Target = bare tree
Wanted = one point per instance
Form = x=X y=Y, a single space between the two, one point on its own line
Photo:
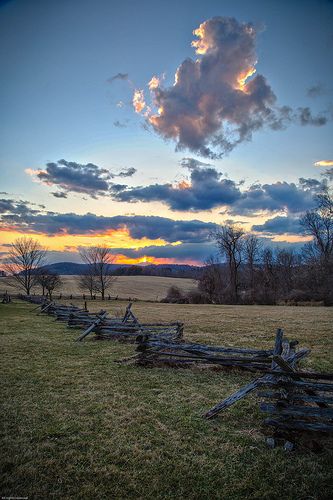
x=229 y=240
x=211 y=281
x=319 y=224
x=252 y=248
x=99 y=260
x=319 y=253
x=87 y=281
x=286 y=266
x=26 y=255
x=53 y=282
x=42 y=276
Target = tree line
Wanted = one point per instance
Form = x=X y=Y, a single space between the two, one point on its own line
x=254 y=273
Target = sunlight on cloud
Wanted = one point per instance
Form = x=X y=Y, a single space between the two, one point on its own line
x=139 y=101
x=324 y=163
x=119 y=238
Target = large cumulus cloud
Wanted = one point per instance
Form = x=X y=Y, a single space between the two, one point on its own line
x=217 y=101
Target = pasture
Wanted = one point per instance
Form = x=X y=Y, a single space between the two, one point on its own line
x=77 y=425
x=137 y=287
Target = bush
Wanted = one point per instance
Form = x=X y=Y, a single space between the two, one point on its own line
x=175 y=296
x=196 y=297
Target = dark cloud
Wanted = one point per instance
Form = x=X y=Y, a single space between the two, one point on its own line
x=280 y=225
x=316 y=90
x=119 y=124
x=192 y=163
x=207 y=189
x=118 y=76
x=59 y=194
x=127 y=172
x=72 y=177
x=277 y=197
x=20 y=217
x=187 y=251
x=305 y=117
x=216 y=101
x=19 y=208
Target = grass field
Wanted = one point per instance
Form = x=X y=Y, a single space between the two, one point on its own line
x=75 y=424
x=135 y=287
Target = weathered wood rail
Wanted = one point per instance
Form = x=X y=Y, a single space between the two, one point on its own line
x=295 y=401
x=152 y=352
x=128 y=328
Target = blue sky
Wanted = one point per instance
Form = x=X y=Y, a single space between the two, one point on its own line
x=57 y=102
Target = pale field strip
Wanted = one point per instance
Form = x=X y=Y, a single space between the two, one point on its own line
x=134 y=287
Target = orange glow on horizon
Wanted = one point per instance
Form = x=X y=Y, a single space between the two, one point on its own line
x=121 y=239
x=113 y=238
x=147 y=259
x=291 y=238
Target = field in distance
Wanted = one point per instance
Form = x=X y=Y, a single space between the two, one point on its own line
x=134 y=287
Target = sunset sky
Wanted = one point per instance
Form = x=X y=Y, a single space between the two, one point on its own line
x=143 y=125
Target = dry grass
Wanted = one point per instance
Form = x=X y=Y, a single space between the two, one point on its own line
x=77 y=425
x=135 y=287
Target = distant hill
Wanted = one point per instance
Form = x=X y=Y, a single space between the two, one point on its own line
x=165 y=270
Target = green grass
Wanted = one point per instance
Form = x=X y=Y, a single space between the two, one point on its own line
x=75 y=424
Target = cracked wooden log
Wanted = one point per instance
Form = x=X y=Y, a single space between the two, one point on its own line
x=91 y=327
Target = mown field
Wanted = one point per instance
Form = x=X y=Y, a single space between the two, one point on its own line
x=134 y=287
x=74 y=424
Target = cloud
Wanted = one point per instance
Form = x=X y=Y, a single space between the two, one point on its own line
x=218 y=100
x=280 y=225
x=128 y=172
x=19 y=216
x=118 y=76
x=305 y=117
x=324 y=163
x=20 y=208
x=186 y=252
x=139 y=103
x=72 y=177
x=59 y=194
x=278 y=196
x=193 y=237
x=329 y=174
x=316 y=90
x=119 y=124
x=192 y=163
x=207 y=189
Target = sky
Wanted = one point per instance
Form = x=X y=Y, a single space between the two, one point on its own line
x=143 y=126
